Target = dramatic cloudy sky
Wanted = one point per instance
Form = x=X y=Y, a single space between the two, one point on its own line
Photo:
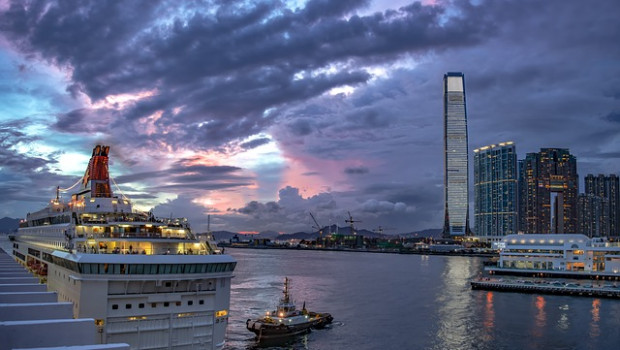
x=258 y=112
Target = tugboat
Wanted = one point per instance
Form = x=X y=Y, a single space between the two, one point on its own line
x=286 y=321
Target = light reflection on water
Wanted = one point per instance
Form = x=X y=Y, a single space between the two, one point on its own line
x=489 y=317
x=454 y=304
x=540 y=318
x=596 y=316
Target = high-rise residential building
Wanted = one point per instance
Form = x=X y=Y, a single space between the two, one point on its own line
x=548 y=189
x=592 y=215
x=608 y=189
x=495 y=191
x=456 y=179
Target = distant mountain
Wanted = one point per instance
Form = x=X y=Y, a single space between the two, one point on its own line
x=431 y=232
x=8 y=225
x=267 y=234
x=272 y=235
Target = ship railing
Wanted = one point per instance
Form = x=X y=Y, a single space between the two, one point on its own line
x=139 y=235
x=139 y=251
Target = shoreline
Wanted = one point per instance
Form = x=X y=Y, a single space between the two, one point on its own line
x=366 y=250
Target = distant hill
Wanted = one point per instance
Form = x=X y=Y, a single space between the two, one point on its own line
x=8 y=225
x=227 y=235
x=431 y=232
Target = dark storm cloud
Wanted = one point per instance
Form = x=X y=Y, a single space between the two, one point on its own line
x=84 y=120
x=255 y=143
x=368 y=118
x=301 y=127
x=257 y=210
x=181 y=178
x=613 y=117
x=356 y=170
x=21 y=173
x=204 y=172
x=11 y=134
x=184 y=186
x=221 y=69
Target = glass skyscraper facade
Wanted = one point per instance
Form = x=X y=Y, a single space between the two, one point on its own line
x=495 y=191
x=456 y=179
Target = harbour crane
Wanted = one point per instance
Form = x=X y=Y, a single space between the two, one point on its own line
x=350 y=221
x=318 y=227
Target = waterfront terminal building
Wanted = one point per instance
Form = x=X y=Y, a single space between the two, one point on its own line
x=563 y=255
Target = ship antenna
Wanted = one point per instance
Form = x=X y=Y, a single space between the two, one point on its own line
x=286 y=296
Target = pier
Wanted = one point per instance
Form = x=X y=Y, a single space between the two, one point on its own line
x=544 y=287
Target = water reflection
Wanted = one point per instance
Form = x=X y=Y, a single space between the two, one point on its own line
x=424 y=260
x=540 y=319
x=596 y=317
x=453 y=304
x=489 y=318
x=563 y=322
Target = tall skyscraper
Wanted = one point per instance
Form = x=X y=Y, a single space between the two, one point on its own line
x=456 y=179
x=548 y=186
x=607 y=188
x=495 y=191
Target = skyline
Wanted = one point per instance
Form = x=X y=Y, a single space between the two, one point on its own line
x=259 y=114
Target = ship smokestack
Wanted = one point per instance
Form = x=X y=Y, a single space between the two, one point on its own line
x=97 y=177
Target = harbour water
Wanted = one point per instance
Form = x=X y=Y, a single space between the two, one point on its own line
x=391 y=301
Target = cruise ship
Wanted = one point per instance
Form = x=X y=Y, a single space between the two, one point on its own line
x=145 y=281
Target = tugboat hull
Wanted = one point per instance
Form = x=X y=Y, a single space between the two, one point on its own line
x=267 y=329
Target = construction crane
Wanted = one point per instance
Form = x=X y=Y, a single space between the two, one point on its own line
x=318 y=227
x=350 y=221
